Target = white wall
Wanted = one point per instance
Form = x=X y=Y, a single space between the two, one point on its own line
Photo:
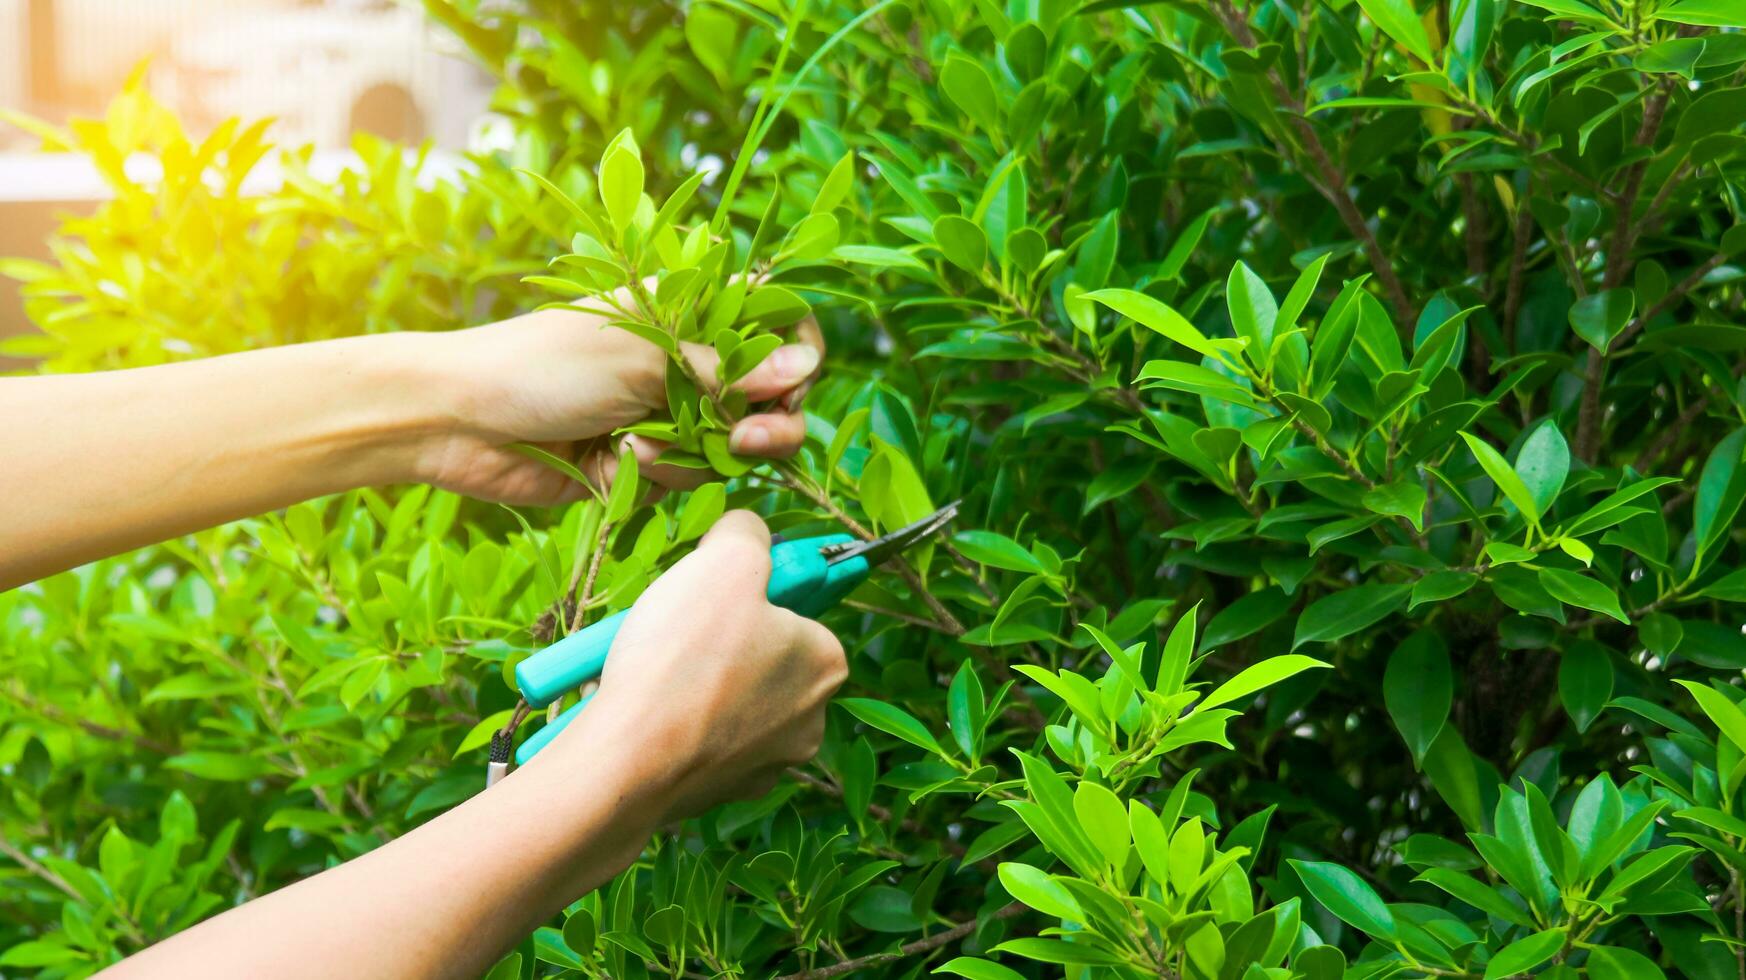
x=99 y=41
x=11 y=56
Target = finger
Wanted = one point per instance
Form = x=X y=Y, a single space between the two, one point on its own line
x=805 y=738
x=735 y=555
x=759 y=784
x=786 y=368
x=600 y=465
x=828 y=656
x=738 y=529
x=806 y=332
x=772 y=436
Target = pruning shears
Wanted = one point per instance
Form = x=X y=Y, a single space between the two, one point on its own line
x=808 y=576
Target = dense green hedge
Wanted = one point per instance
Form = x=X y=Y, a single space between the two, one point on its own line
x=1344 y=396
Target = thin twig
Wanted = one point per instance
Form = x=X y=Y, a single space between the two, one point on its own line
x=594 y=560
x=874 y=810
x=1524 y=236
x=55 y=714
x=1618 y=264
x=953 y=934
x=1667 y=301
x=901 y=617
x=31 y=865
x=1330 y=181
x=1671 y=433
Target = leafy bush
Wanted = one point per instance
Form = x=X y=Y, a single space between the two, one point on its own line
x=1346 y=405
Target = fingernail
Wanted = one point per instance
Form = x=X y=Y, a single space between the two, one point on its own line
x=749 y=439
x=796 y=362
x=796 y=395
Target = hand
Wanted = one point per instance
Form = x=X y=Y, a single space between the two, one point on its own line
x=714 y=689
x=563 y=380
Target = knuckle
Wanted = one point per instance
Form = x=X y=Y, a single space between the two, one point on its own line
x=802 y=751
x=827 y=652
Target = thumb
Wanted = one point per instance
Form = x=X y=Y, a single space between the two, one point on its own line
x=786 y=368
x=738 y=528
x=737 y=551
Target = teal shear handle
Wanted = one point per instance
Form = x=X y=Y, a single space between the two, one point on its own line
x=808 y=576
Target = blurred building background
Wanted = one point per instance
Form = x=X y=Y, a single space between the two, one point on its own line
x=323 y=69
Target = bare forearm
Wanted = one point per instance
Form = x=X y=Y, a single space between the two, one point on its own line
x=95 y=464
x=446 y=900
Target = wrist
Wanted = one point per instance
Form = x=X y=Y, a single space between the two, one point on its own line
x=616 y=754
x=550 y=376
x=395 y=402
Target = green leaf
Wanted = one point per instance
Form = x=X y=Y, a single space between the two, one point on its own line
x=1573 y=9
x=892 y=492
x=1418 y=689
x=675 y=203
x=1117 y=481
x=1104 y=819
x=580 y=933
x=961 y=241
x=1247 y=616
x=1722 y=712
x=1655 y=713
x=1477 y=894
x=1703 y=13
x=1253 y=309
x=892 y=720
x=967 y=710
x=626 y=490
x=1301 y=292
x=1578 y=589
x=836 y=186
x=977 y=969
x=1348 y=897
x=1523 y=955
x=1599 y=317
x=1097 y=252
x=558 y=463
x=190 y=686
x=814 y=238
x=39 y=952
x=621 y=181
x=883 y=908
x=996 y=550
x=221 y=766
x=1505 y=477
x=1441 y=586
x=304 y=819
x=1400 y=21
x=1618 y=963
x=1194 y=379
x=702 y=509
x=1182 y=249
x=1729 y=588
x=1611 y=509
x=1452 y=772
x=1333 y=617
x=1257 y=676
x=1674 y=56
x=1055 y=951
x=1158 y=316
x=1151 y=840
x=971 y=89
x=1398 y=499
x=1721 y=487
x=1585 y=682
x=1037 y=889
x=1543 y=463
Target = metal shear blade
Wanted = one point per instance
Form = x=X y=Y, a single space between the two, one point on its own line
x=881 y=548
